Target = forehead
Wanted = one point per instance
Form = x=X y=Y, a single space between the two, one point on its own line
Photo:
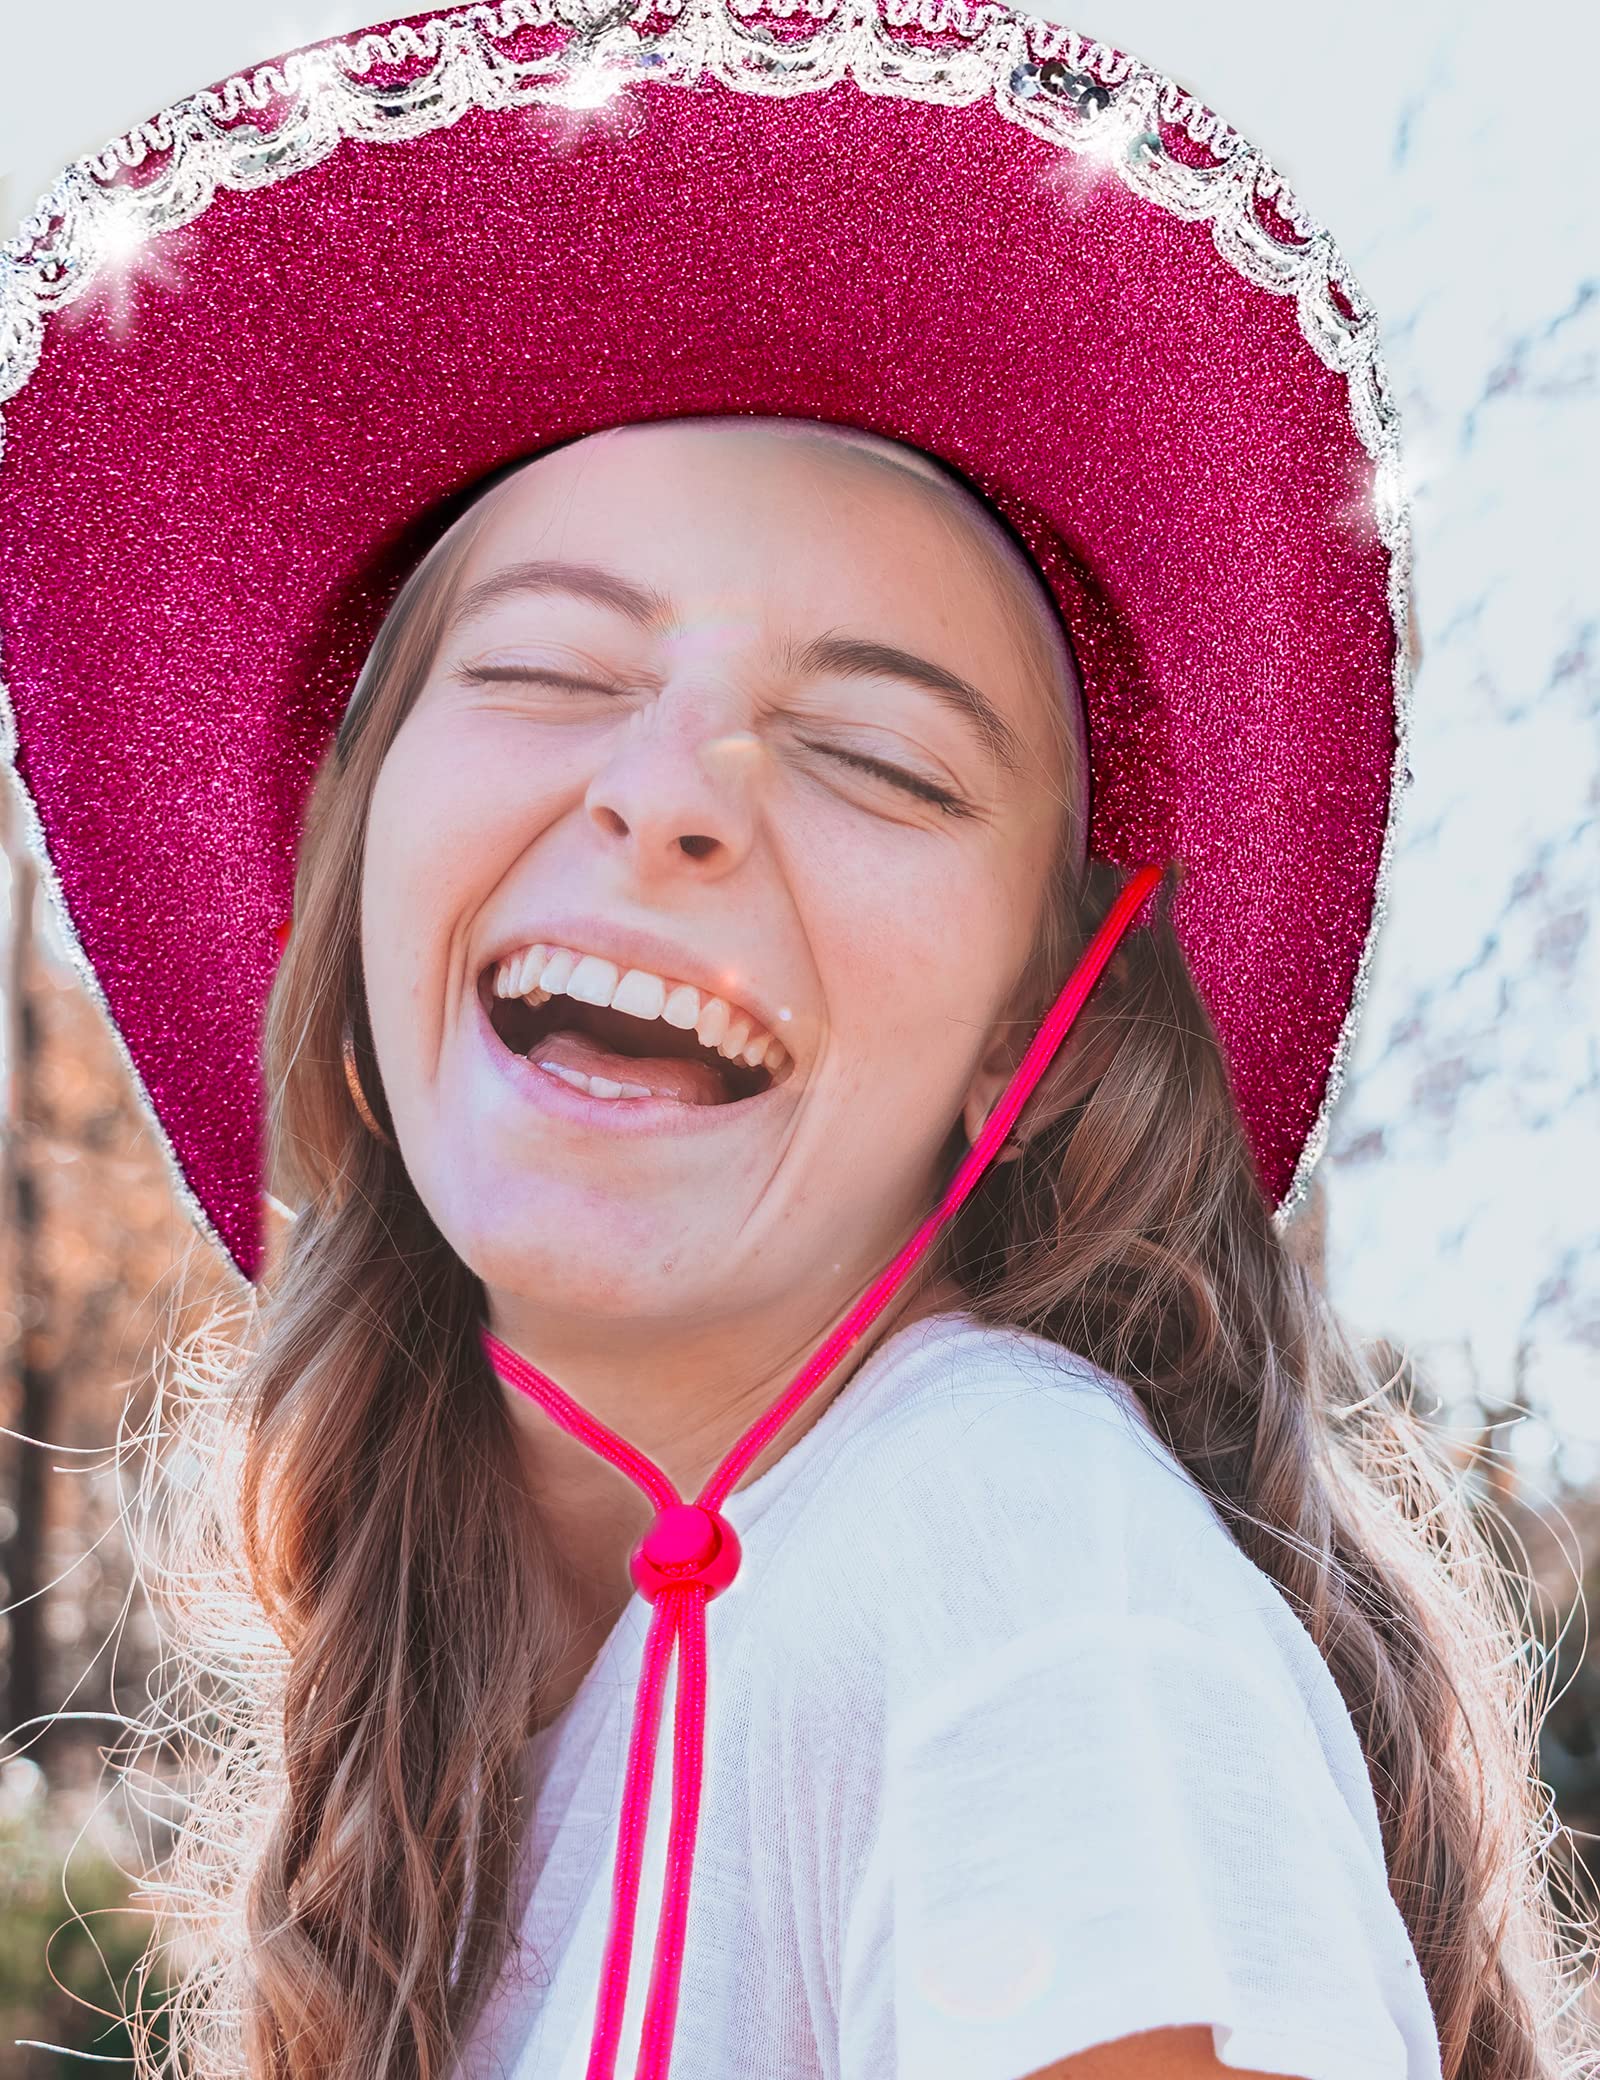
x=777 y=477
x=822 y=517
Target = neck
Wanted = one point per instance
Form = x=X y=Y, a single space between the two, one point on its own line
x=684 y=1396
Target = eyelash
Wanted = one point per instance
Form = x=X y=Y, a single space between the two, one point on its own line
x=941 y=798
x=928 y=790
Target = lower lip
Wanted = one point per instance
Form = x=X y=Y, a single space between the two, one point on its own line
x=564 y=1101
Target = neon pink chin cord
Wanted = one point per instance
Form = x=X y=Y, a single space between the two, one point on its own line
x=690 y=1552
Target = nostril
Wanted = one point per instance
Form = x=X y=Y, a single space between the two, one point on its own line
x=698 y=847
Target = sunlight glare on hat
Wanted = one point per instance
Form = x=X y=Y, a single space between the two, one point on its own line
x=589 y=97
x=123 y=257
x=592 y=84
x=1093 y=157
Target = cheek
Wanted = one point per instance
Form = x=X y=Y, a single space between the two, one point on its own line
x=450 y=813
x=917 y=947
x=415 y=834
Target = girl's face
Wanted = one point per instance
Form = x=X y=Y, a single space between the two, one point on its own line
x=756 y=728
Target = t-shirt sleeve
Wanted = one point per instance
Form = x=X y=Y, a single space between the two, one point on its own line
x=1104 y=1828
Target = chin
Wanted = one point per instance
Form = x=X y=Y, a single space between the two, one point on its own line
x=598 y=1259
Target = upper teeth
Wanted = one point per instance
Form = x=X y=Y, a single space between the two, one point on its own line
x=541 y=972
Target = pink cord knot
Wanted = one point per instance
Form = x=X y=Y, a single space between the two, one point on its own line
x=685 y=1544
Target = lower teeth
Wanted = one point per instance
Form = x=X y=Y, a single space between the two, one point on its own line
x=596 y=1086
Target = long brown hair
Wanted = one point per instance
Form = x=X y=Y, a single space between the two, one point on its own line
x=339 y=1896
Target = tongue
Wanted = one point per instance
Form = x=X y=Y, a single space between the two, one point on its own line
x=689 y=1082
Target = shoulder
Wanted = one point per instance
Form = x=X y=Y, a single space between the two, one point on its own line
x=1050 y=1688
x=1009 y=1509
x=1003 y=1481
x=1005 y=1497
x=990 y=1398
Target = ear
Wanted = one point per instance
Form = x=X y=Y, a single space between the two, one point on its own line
x=996 y=1069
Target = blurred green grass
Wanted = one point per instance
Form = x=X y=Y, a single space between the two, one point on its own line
x=70 y=1943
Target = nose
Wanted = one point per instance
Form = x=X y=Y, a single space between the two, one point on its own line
x=678 y=790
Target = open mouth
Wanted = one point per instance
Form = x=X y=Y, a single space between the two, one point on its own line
x=614 y=1054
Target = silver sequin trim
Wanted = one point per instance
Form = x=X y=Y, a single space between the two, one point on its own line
x=82 y=221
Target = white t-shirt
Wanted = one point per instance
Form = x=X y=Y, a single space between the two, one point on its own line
x=1009 y=1751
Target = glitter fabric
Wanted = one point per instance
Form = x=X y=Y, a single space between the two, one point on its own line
x=247 y=352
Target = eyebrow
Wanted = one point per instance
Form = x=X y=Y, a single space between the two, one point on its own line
x=851 y=657
x=591 y=581
x=857 y=657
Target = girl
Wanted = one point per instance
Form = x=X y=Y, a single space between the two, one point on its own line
x=1081 y=1667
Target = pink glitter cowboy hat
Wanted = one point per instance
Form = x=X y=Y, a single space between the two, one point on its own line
x=252 y=352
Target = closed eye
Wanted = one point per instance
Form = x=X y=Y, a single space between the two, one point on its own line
x=532 y=675
x=546 y=675
x=913 y=783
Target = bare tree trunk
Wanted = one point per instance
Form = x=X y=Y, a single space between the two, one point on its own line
x=37 y=1388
